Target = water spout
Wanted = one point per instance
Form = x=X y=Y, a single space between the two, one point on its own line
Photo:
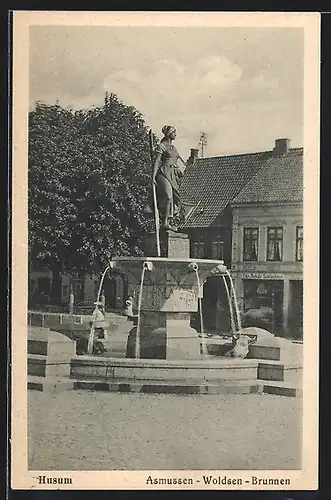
x=92 y=330
x=147 y=266
x=233 y=293
x=194 y=266
x=233 y=325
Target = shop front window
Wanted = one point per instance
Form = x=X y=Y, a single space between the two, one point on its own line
x=263 y=304
x=299 y=244
x=275 y=244
x=251 y=241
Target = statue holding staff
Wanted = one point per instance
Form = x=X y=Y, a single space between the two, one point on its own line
x=167 y=176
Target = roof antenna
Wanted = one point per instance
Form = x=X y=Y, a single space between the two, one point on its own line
x=203 y=142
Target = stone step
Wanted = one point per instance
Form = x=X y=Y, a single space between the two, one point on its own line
x=180 y=387
x=37 y=365
x=282 y=372
x=166 y=387
x=46 y=366
x=38 y=347
x=50 y=384
x=281 y=388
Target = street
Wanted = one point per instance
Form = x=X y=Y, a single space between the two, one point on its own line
x=110 y=431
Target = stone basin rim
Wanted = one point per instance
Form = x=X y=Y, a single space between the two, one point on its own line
x=219 y=363
x=183 y=260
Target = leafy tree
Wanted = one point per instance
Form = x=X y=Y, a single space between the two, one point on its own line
x=89 y=181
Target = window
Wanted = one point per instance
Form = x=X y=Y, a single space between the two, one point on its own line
x=275 y=243
x=217 y=250
x=251 y=242
x=299 y=244
x=198 y=249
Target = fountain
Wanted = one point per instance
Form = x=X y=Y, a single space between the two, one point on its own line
x=162 y=349
x=163 y=346
x=168 y=290
x=163 y=353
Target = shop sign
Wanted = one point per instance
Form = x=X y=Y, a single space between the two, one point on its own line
x=262 y=276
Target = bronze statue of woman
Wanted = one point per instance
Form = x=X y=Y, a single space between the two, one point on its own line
x=166 y=177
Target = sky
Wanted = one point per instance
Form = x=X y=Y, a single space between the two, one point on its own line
x=243 y=87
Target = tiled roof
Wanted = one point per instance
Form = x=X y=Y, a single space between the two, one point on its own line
x=215 y=182
x=280 y=180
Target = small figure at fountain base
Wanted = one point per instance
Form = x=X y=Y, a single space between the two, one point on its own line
x=240 y=348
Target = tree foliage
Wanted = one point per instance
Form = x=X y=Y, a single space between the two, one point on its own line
x=89 y=182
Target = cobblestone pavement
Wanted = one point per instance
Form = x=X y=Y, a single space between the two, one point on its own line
x=109 y=431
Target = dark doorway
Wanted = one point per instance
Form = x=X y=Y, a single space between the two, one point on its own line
x=277 y=306
x=110 y=293
x=209 y=302
x=215 y=307
x=295 y=318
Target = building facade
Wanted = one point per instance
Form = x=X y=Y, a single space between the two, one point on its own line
x=267 y=246
x=267 y=265
x=248 y=211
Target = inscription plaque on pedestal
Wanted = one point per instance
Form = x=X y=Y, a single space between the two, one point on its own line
x=181 y=300
x=166 y=291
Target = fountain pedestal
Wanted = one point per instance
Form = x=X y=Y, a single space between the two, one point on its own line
x=169 y=295
x=172 y=244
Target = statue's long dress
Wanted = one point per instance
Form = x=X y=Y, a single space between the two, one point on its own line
x=168 y=169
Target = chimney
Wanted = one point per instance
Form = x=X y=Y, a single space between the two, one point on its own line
x=282 y=147
x=193 y=156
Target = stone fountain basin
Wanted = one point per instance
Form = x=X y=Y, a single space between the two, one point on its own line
x=164 y=370
x=168 y=261
x=205 y=371
x=177 y=269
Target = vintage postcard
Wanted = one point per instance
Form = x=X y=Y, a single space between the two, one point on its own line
x=165 y=260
